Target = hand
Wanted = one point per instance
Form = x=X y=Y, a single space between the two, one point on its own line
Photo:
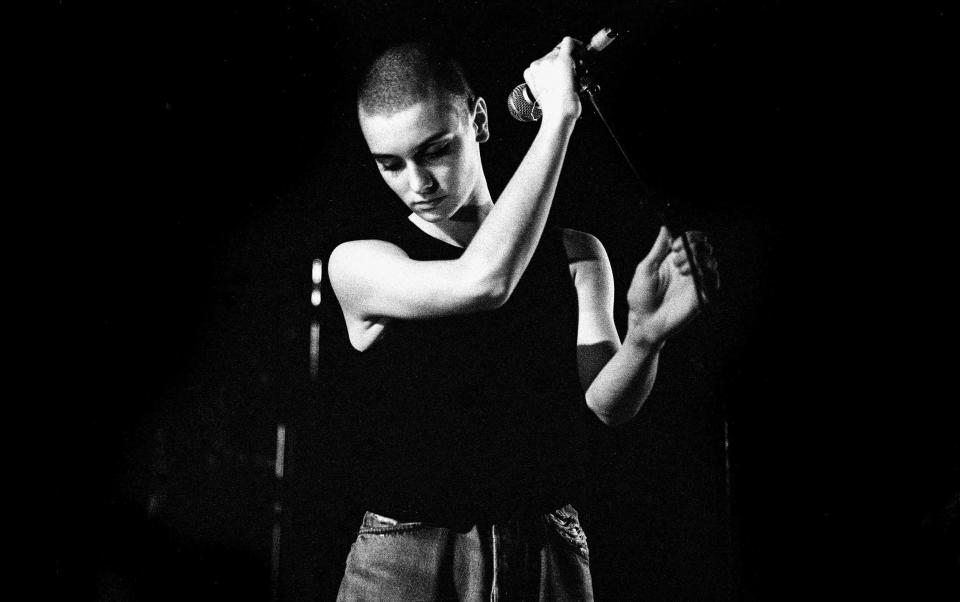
x=662 y=296
x=552 y=81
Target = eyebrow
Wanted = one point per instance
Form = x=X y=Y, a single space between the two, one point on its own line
x=418 y=148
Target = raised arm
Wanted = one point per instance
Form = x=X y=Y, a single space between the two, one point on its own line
x=618 y=377
x=375 y=279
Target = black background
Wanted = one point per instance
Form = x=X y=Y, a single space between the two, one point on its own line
x=202 y=156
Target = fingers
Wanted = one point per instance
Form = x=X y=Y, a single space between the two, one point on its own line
x=678 y=253
x=699 y=245
x=661 y=248
x=562 y=51
x=567 y=45
x=552 y=82
x=705 y=255
x=703 y=250
x=681 y=262
x=698 y=242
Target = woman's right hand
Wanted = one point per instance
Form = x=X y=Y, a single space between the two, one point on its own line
x=552 y=81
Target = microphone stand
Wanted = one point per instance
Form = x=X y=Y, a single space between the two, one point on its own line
x=668 y=218
x=663 y=209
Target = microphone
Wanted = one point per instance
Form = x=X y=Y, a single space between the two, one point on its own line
x=521 y=103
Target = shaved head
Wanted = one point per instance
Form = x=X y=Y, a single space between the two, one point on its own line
x=408 y=73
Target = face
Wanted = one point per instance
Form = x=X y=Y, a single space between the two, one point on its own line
x=429 y=154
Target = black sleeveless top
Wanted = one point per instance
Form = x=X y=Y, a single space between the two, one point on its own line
x=476 y=417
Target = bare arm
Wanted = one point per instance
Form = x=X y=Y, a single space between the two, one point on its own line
x=375 y=279
x=618 y=377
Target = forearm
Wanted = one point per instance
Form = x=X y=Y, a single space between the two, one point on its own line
x=625 y=382
x=502 y=247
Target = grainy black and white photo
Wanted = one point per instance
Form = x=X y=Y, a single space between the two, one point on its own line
x=500 y=300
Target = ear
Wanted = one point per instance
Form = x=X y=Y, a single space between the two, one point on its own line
x=480 y=121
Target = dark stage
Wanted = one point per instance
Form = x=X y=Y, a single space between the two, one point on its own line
x=205 y=154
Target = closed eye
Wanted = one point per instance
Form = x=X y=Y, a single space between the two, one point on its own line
x=390 y=165
x=437 y=151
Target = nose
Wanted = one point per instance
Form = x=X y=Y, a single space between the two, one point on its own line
x=421 y=181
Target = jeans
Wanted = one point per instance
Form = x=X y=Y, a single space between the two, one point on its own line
x=539 y=558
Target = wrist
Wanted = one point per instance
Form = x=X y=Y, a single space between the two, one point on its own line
x=641 y=335
x=563 y=116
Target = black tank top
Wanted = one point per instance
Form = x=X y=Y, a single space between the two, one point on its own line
x=477 y=417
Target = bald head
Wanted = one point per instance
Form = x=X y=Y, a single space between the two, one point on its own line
x=408 y=73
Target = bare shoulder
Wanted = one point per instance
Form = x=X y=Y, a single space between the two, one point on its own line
x=582 y=246
x=358 y=256
x=353 y=250
x=355 y=266
x=589 y=265
x=593 y=279
x=353 y=269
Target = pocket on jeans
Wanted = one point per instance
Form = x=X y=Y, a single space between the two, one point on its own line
x=376 y=524
x=565 y=523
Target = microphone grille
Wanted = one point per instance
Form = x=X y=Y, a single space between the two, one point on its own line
x=520 y=105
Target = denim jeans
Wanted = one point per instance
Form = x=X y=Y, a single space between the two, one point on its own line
x=539 y=558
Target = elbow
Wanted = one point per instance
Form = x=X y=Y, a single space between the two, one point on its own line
x=493 y=295
x=613 y=417
x=614 y=420
x=487 y=285
x=489 y=292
